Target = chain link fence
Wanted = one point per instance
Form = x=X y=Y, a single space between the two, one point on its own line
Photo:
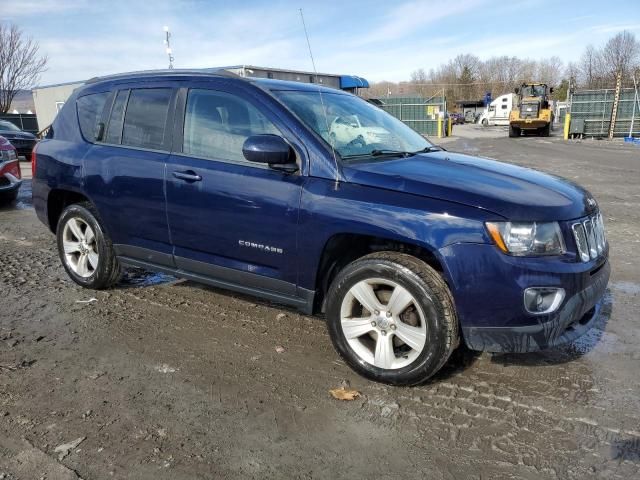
x=421 y=114
x=595 y=108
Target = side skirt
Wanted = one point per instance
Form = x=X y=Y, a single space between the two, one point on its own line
x=303 y=301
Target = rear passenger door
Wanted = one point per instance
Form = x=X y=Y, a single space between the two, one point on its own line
x=124 y=171
x=230 y=219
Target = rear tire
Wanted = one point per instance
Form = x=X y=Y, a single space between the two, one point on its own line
x=514 y=132
x=392 y=318
x=85 y=249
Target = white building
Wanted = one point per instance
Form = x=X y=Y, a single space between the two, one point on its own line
x=49 y=99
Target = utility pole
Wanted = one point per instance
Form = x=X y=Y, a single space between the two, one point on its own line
x=168 y=45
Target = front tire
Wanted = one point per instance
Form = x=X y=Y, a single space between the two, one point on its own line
x=545 y=131
x=514 y=132
x=392 y=319
x=85 y=249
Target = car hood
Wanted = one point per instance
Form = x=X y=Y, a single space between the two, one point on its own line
x=17 y=135
x=513 y=192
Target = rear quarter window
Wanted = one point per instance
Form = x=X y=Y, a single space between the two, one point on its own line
x=89 y=113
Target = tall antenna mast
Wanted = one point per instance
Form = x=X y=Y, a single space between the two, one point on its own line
x=324 y=108
x=168 y=45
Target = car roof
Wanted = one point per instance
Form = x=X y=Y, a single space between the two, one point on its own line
x=264 y=83
x=270 y=84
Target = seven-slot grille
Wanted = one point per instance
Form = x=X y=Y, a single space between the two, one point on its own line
x=589 y=236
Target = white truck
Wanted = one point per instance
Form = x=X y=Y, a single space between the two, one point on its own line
x=497 y=112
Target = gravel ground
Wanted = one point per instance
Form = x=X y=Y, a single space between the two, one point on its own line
x=165 y=379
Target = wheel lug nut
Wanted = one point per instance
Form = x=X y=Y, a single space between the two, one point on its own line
x=373 y=324
x=388 y=314
x=393 y=327
x=376 y=312
x=383 y=332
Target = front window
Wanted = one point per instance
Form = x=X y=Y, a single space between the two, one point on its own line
x=216 y=125
x=8 y=126
x=533 y=91
x=353 y=127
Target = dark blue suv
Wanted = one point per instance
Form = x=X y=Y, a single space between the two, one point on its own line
x=314 y=198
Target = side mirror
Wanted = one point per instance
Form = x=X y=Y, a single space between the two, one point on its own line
x=517 y=90
x=270 y=149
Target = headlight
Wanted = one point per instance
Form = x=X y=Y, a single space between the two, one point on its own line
x=527 y=238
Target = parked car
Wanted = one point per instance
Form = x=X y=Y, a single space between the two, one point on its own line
x=470 y=116
x=23 y=141
x=408 y=249
x=344 y=130
x=456 y=118
x=10 y=175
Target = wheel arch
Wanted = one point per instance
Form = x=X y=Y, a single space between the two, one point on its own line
x=59 y=199
x=343 y=248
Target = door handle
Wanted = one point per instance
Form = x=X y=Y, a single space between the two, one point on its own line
x=188 y=176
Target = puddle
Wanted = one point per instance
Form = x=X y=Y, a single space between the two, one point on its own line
x=137 y=277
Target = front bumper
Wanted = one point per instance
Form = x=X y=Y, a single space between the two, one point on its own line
x=488 y=288
x=24 y=147
x=9 y=183
x=529 y=123
x=574 y=319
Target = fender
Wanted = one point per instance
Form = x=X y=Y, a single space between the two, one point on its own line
x=329 y=208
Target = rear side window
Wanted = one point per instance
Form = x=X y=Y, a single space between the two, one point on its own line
x=216 y=125
x=114 y=130
x=89 y=112
x=146 y=117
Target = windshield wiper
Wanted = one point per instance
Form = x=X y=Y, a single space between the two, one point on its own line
x=388 y=153
x=385 y=152
x=432 y=148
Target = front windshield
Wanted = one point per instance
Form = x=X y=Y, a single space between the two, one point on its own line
x=533 y=91
x=353 y=127
x=8 y=126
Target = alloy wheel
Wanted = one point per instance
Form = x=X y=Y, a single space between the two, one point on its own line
x=80 y=247
x=383 y=323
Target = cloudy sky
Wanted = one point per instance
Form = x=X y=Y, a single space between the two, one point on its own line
x=379 y=40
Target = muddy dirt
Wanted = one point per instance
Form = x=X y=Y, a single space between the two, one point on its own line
x=165 y=379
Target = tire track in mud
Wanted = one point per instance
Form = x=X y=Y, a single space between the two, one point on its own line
x=459 y=409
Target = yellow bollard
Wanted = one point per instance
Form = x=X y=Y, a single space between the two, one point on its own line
x=439 y=127
x=449 y=128
x=567 y=123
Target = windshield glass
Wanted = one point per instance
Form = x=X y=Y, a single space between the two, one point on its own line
x=8 y=126
x=533 y=91
x=353 y=127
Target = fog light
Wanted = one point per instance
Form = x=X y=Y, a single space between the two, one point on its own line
x=542 y=300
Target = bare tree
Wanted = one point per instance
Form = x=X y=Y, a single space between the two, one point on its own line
x=590 y=66
x=20 y=64
x=549 y=71
x=621 y=54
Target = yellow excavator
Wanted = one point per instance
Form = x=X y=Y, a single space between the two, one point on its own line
x=532 y=112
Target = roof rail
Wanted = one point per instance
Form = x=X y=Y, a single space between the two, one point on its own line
x=165 y=72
